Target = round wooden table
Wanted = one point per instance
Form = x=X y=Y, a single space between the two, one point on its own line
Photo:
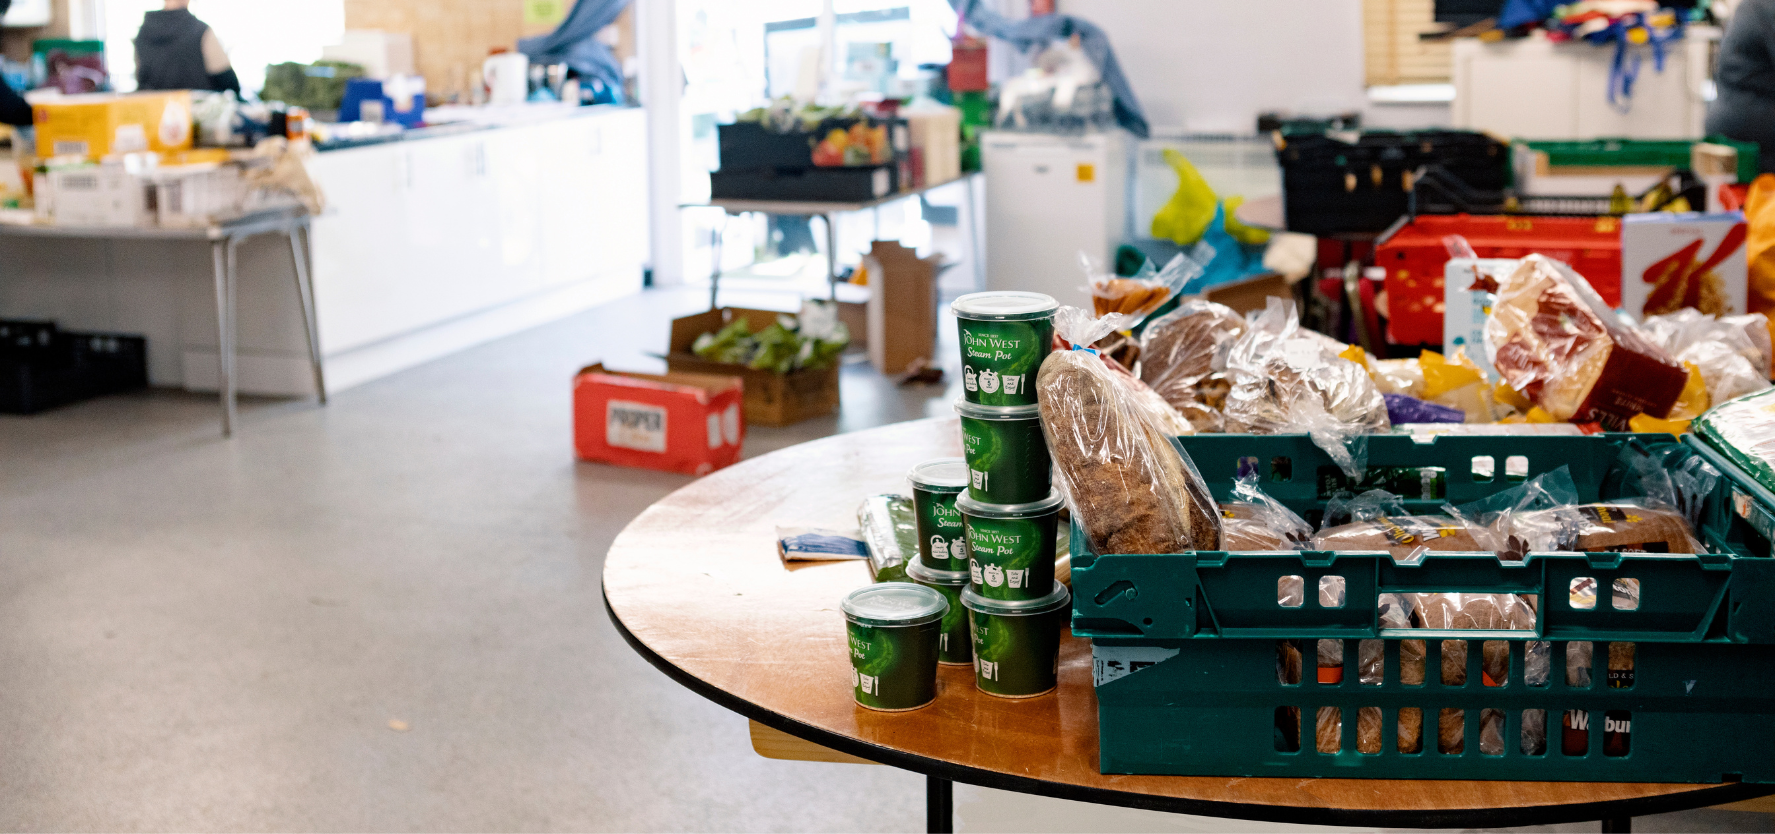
x=695 y=585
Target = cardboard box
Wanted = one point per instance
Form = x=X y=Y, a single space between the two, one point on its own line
x=1248 y=294
x=771 y=399
x=1465 y=309
x=98 y=125
x=106 y=196
x=1671 y=261
x=902 y=306
x=676 y=422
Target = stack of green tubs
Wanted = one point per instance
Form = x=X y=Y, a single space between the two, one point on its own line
x=1186 y=645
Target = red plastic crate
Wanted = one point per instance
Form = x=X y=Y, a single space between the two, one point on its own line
x=1414 y=258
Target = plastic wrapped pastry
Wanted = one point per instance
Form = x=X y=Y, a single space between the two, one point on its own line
x=1617 y=527
x=1287 y=381
x=1553 y=339
x=1131 y=488
x=1731 y=360
x=1183 y=357
x=1488 y=612
x=1142 y=293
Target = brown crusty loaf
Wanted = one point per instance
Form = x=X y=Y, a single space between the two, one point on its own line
x=1492 y=612
x=1128 y=485
x=1611 y=528
x=1399 y=535
x=1178 y=355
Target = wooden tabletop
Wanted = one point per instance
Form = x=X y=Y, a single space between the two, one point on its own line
x=696 y=587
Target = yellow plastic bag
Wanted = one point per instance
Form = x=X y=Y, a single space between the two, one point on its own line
x=1184 y=217
x=1759 y=247
x=1693 y=400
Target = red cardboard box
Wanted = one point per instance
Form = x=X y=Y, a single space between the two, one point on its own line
x=676 y=422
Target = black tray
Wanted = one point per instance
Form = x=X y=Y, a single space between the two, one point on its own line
x=75 y=366
x=854 y=184
x=1330 y=186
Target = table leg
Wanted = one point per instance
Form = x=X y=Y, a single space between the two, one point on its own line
x=1617 y=825
x=939 y=805
x=222 y=257
x=976 y=249
x=715 y=237
x=831 y=256
x=305 y=292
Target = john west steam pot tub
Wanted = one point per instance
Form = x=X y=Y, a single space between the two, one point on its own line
x=1004 y=338
x=1011 y=546
x=935 y=483
x=893 y=630
x=1006 y=453
x=954 y=646
x=1017 y=643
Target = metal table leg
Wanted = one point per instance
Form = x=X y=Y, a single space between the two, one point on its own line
x=831 y=256
x=305 y=291
x=939 y=801
x=976 y=249
x=222 y=254
x=715 y=239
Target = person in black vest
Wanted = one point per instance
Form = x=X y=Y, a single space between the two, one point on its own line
x=1745 y=108
x=176 y=51
x=13 y=109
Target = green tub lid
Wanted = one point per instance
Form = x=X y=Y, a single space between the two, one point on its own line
x=940 y=475
x=894 y=604
x=917 y=570
x=974 y=507
x=998 y=412
x=1004 y=306
x=1057 y=599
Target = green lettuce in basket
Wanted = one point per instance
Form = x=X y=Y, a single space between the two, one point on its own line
x=812 y=340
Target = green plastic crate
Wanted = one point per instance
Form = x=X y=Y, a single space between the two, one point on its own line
x=1185 y=645
x=1660 y=153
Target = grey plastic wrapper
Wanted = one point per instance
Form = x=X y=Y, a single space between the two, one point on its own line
x=1287 y=380
x=1731 y=360
x=888 y=529
x=1126 y=480
x=1756 y=329
x=1183 y=358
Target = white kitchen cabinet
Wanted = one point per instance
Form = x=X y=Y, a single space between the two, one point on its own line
x=1534 y=88
x=1049 y=198
x=428 y=246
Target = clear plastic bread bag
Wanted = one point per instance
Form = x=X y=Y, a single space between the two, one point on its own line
x=1668 y=475
x=1538 y=515
x=1289 y=380
x=1260 y=522
x=1143 y=292
x=1183 y=357
x=1732 y=361
x=1130 y=485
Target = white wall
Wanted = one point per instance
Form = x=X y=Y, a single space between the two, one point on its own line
x=1211 y=66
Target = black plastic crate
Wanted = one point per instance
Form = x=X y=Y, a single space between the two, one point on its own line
x=1436 y=191
x=21 y=335
x=753 y=146
x=1330 y=186
x=851 y=184
x=76 y=366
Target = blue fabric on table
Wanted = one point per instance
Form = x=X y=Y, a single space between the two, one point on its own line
x=575 y=44
x=1038 y=31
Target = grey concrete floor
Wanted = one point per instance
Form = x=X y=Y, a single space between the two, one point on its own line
x=198 y=634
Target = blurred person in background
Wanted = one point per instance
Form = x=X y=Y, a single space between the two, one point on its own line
x=13 y=109
x=176 y=51
x=1745 y=107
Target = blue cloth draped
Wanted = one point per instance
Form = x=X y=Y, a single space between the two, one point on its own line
x=1038 y=31
x=575 y=44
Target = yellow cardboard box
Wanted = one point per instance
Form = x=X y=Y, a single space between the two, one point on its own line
x=98 y=125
